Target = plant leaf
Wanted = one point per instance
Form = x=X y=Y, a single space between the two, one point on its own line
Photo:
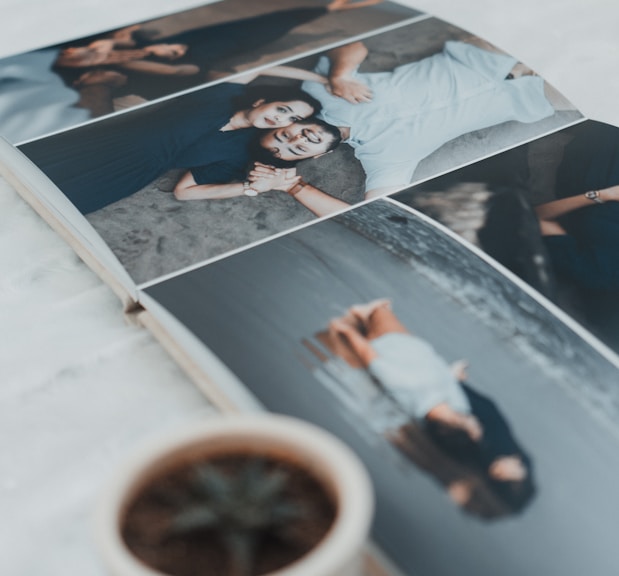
x=196 y=517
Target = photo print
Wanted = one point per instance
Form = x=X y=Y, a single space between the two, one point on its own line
x=58 y=87
x=478 y=414
x=183 y=181
x=549 y=212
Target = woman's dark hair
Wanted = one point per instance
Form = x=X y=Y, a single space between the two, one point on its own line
x=510 y=496
x=516 y=495
x=260 y=154
x=454 y=441
x=333 y=131
x=275 y=94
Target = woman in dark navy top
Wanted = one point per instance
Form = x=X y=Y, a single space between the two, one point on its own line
x=102 y=162
x=506 y=468
x=581 y=228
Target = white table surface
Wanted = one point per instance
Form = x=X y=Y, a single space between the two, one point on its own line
x=80 y=388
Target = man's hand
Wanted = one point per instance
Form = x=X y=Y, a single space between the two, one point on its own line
x=350 y=90
x=264 y=178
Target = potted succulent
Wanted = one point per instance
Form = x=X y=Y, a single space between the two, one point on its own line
x=238 y=496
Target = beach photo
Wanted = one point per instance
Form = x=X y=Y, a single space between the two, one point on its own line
x=475 y=408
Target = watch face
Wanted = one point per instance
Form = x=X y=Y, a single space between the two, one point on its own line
x=594 y=195
x=250 y=192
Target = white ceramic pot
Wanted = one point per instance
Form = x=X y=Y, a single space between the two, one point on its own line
x=318 y=452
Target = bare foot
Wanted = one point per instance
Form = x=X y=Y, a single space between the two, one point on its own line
x=125 y=33
x=352 y=320
x=339 y=326
x=334 y=330
x=363 y=311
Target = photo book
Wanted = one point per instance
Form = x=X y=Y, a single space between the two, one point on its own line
x=366 y=217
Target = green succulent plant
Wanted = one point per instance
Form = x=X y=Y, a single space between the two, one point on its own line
x=242 y=507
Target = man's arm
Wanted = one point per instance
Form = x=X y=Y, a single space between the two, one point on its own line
x=315 y=200
x=344 y=61
x=322 y=204
x=358 y=343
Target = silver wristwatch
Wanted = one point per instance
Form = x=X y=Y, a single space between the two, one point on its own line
x=594 y=195
x=248 y=190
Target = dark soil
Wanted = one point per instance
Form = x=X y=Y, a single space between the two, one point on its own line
x=146 y=525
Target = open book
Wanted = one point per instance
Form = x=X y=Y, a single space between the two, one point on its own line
x=469 y=214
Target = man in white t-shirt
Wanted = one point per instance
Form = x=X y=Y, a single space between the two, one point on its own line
x=410 y=371
x=394 y=119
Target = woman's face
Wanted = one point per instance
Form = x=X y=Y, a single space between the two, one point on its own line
x=278 y=114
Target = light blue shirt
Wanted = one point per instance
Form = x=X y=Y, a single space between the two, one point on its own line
x=415 y=376
x=418 y=107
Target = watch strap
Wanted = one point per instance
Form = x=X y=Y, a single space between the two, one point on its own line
x=594 y=195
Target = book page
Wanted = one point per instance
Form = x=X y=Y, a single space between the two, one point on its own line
x=262 y=283
x=177 y=183
x=547 y=211
x=81 y=82
x=57 y=87
x=485 y=416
